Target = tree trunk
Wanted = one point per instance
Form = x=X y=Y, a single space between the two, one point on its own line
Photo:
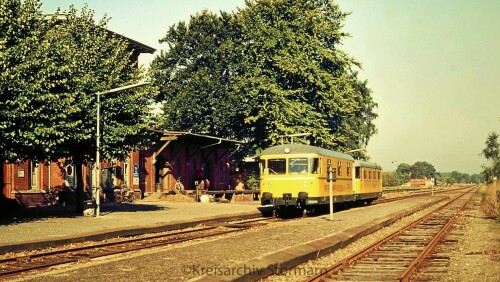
x=78 y=163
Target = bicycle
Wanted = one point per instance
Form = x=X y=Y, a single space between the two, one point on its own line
x=124 y=194
x=178 y=187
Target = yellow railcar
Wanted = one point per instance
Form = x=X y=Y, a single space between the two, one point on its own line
x=294 y=177
x=367 y=181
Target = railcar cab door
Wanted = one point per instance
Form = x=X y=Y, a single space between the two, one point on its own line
x=358 y=177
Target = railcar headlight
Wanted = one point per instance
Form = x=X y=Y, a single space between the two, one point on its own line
x=287 y=150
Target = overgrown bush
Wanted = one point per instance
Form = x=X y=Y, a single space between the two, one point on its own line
x=252 y=181
x=490 y=201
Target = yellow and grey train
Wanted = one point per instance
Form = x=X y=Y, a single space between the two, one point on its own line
x=294 y=177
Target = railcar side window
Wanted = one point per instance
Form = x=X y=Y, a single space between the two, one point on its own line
x=357 y=171
x=348 y=169
x=276 y=166
x=315 y=166
x=340 y=168
x=298 y=165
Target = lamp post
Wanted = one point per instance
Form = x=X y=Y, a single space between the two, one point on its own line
x=98 y=137
x=397 y=178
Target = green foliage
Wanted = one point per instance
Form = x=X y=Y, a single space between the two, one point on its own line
x=456 y=177
x=422 y=169
x=389 y=178
x=50 y=70
x=405 y=172
x=492 y=153
x=272 y=68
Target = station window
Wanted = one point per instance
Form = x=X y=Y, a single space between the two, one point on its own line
x=126 y=167
x=33 y=175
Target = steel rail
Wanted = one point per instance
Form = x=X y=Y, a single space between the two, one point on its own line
x=416 y=194
x=10 y=267
x=350 y=260
x=432 y=244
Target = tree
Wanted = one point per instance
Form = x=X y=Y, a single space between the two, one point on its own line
x=51 y=71
x=403 y=172
x=194 y=76
x=476 y=178
x=422 y=169
x=20 y=27
x=492 y=153
x=272 y=68
x=457 y=177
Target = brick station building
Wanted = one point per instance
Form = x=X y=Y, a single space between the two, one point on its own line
x=177 y=155
x=183 y=156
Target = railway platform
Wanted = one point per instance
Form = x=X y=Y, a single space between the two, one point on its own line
x=52 y=226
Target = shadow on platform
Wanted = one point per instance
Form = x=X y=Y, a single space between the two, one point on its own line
x=18 y=214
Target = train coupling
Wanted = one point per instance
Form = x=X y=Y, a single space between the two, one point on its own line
x=301 y=199
x=287 y=197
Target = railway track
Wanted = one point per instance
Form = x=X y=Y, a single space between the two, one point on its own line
x=398 y=256
x=17 y=265
x=417 y=194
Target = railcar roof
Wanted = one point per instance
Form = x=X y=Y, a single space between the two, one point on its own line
x=367 y=164
x=304 y=149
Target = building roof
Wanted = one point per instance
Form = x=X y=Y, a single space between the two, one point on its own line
x=366 y=164
x=133 y=44
x=136 y=45
x=195 y=138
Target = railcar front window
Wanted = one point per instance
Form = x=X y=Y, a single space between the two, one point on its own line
x=276 y=166
x=298 y=165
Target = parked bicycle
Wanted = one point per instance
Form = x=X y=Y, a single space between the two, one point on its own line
x=124 y=194
x=178 y=185
x=53 y=197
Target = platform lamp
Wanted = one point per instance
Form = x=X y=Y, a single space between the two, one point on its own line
x=98 y=137
x=397 y=178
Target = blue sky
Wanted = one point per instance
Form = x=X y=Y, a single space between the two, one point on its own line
x=433 y=67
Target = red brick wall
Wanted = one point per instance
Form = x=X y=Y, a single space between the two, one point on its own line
x=186 y=162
